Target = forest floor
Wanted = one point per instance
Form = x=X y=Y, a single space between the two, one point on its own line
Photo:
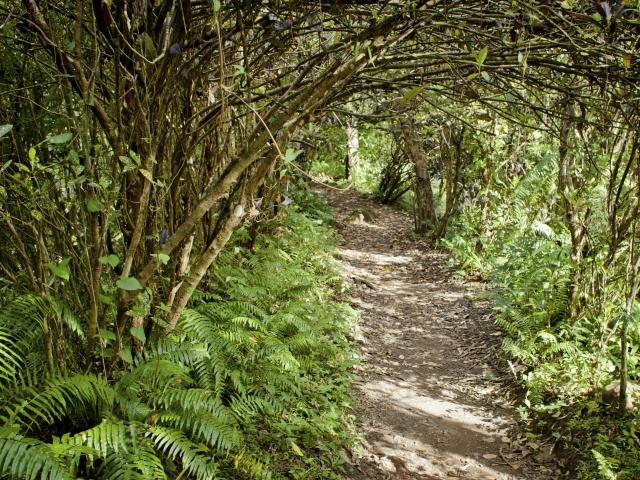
x=433 y=402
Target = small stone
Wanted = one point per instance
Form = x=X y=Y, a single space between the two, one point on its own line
x=489 y=456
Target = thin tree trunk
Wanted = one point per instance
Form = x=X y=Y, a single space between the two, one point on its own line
x=425 y=209
x=353 y=151
x=229 y=225
x=567 y=189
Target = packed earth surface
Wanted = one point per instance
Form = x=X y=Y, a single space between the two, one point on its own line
x=433 y=402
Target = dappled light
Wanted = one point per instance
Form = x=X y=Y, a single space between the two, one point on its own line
x=429 y=408
x=359 y=240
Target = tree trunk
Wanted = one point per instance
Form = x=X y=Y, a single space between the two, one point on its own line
x=425 y=209
x=453 y=159
x=567 y=191
x=353 y=151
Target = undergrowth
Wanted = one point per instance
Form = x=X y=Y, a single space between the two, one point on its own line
x=562 y=361
x=254 y=382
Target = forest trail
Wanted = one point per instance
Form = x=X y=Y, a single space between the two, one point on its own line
x=431 y=404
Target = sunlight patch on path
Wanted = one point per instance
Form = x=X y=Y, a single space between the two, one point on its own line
x=407 y=397
x=376 y=258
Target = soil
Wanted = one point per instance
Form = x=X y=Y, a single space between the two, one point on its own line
x=432 y=400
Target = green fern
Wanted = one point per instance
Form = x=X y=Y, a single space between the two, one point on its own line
x=195 y=458
x=55 y=398
x=264 y=351
x=141 y=462
x=22 y=457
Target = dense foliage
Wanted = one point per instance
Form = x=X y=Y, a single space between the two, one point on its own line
x=563 y=269
x=149 y=267
x=253 y=382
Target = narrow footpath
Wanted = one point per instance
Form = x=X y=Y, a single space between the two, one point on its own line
x=432 y=404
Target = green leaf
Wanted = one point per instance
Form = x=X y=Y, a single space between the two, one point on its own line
x=4 y=129
x=106 y=299
x=216 y=6
x=290 y=155
x=164 y=307
x=135 y=158
x=129 y=163
x=146 y=174
x=163 y=258
x=125 y=355
x=60 y=270
x=129 y=283
x=106 y=335
x=296 y=449
x=149 y=47
x=112 y=260
x=138 y=333
x=411 y=94
x=94 y=205
x=32 y=154
x=482 y=55
x=59 y=139
x=138 y=311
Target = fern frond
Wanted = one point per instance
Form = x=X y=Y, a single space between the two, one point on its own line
x=196 y=459
x=251 y=466
x=105 y=438
x=561 y=347
x=287 y=321
x=194 y=400
x=247 y=322
x=140 y=463
x=67 y=317
x=246 y=406
x=156 y=371
x=207 y=427
x=296 y=291
x=53 y=400
x=199 y=325
x=185 y=353
x=22 y=457
x=9 y=357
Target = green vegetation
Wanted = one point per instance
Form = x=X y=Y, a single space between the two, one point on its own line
x=563 y=291
x=253 y=382
x=167 y=312
x=549 y=220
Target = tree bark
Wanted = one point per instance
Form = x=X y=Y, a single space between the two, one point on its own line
x=353 y=151
x=567 y=191
x=425 y=209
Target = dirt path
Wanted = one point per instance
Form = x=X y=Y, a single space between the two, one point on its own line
x=431 y=404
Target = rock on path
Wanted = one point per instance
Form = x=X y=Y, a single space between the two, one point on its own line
x=431 y=404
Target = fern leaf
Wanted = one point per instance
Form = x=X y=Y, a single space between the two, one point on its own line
x=22 y=457
x=196 y=459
